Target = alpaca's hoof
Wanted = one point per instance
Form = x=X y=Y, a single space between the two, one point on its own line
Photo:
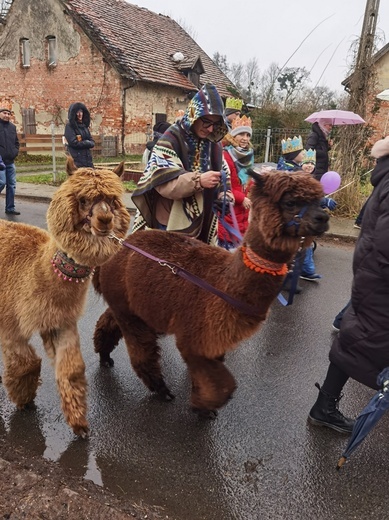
x=81 y=431
x=106 y=361
x=165 y=394
x=31 y=406
x=203 y=413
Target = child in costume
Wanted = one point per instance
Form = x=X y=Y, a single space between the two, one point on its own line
x=292 y=154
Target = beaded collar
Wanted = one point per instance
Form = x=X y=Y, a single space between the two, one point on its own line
x=260 y=265
x=67 y=268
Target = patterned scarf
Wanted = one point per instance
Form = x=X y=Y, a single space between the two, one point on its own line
x=243 y=160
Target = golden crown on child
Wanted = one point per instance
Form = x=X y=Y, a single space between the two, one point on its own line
x=292 y=145
x=309 y=156
x=241 y=121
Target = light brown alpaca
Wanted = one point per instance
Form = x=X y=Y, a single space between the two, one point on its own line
x=44 y=282
x=146 y=299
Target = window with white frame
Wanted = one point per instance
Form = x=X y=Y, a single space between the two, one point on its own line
x=25 y=52
x=51 y=51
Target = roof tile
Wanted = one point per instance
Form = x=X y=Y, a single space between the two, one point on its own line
x=141 y=43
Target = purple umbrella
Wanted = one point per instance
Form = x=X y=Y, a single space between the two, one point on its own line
x=337 y=117
x=369 y=416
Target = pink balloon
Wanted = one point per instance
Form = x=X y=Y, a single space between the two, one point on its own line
x=330 y=182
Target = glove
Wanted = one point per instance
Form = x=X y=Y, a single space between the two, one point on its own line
x=88 y=143
x=329 y=203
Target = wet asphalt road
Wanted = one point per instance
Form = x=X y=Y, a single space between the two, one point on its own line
x=258 y=460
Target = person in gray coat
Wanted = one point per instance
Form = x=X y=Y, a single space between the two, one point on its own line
x=361 y=349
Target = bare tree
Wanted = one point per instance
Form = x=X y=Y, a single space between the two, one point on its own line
x=221 y=61
x=189 y=29
x=236 y=75
x=252 y=74
x=291 y=82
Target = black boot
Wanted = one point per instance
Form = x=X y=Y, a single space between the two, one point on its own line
x=325 y=413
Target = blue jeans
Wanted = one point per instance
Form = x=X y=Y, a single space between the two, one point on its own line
x=308 y=262
x=8 y=179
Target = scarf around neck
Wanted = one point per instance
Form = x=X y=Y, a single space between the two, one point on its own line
x=243 y=160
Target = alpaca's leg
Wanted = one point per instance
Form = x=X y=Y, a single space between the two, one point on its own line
x=106 y=337
x=70 y=376
x=212 y=383
x=144 y=352
x=22 y=369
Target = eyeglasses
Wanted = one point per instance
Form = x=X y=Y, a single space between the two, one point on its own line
x=207 y=123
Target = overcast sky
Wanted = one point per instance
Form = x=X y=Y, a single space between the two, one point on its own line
x=271 y=31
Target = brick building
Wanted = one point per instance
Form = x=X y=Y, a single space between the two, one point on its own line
x=131 y=67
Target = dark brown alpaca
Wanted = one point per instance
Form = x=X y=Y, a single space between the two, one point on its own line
x=147 y=300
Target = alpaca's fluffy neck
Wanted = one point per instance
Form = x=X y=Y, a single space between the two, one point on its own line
x=281 y=249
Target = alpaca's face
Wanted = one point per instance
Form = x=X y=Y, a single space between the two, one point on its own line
x=302 y=217
x=278 y=199
x=98 y=216
x=84 y=212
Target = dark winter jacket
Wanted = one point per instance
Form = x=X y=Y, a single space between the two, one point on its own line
x=318 y=141
x=9 y=142
x=79 y=137
x=362 y=347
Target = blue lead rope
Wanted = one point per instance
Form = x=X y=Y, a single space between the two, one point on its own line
x=293 y=275
x=233 y=231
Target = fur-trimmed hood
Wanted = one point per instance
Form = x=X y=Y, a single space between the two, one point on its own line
x=380 y=148
x=72 y=114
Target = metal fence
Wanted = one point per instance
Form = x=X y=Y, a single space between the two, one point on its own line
x=267 y=141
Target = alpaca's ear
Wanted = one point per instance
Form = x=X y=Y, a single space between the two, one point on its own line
x=70 y=166
x=119 y=169
x=259 y=178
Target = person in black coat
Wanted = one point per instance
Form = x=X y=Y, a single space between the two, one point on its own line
x=78 y=136
x=9 y=149
x=361 y=349
x=318 y=140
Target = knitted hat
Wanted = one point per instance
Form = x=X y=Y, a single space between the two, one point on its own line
x=229 y=111
x=4 y=109
x=233 y=106
x=241 y=125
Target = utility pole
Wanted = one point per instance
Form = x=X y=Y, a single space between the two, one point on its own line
x=353 y=140
x=361 y=81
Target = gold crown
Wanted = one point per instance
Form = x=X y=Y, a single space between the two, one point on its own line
x=234 y=103
x=241 y=121
x=292 y=145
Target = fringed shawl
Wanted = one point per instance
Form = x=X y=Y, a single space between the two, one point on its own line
x=179 y=151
